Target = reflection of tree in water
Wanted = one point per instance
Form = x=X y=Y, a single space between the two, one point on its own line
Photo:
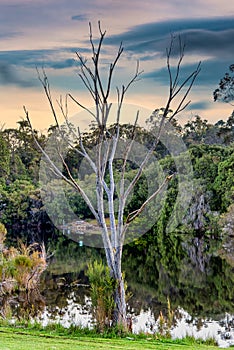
x=204 y=293
x=20 y=270
x=23 y=305
x=57 y=289
x=154 y=273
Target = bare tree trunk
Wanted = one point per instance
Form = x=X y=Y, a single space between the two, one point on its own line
x=120 y=312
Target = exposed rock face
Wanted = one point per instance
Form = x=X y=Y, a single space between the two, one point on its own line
x=227 y=222
x=197 y=220
x=197 y=251
x=198 y=212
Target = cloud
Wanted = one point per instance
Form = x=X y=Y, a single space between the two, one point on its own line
x=9 y=35
x=24 y=58
x=68 y=63
x=56 y=59
x=159 y=29
x=206 y=42
x=212 y=70
x=208 y=36
x=10 y=76
x=81 y=17
x=201 y=105
x=17 y=64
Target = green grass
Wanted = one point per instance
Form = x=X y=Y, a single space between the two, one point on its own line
x=33 y=339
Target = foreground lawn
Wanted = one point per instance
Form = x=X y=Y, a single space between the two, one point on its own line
x=23 y=340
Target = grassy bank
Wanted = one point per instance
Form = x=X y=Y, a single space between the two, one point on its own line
x=28 y=339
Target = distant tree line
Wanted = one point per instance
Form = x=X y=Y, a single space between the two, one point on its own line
x=210 y=146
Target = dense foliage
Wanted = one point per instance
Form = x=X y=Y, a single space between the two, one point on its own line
x=211 y=152
x=225 y=91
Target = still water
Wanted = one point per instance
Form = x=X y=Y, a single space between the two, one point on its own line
x=198 y=282
x=74 y=313
x=202 y=302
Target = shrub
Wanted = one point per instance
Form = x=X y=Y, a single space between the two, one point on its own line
x=21 y=268
x=102 y=294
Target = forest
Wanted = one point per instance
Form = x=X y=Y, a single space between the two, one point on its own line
x=193 y=257
x=211 y=151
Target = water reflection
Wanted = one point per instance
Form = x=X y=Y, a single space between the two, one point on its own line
x=71 y=314
x=74 y=313
x=65 y=299
x=205 y=293
x=22 y=305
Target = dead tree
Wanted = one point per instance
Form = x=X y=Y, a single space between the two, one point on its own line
x=113 y=233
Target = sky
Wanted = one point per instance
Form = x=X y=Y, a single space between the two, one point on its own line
x=48 y=33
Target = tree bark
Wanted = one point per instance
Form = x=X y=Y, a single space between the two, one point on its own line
x=120 y=311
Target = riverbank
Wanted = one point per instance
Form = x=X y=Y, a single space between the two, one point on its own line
x=15 y=338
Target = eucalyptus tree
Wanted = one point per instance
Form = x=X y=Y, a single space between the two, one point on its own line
x=4 y=158
x=225 y=91
x=113 y=226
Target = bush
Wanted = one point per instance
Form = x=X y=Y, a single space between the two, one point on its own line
x=102 y=294
x=20 y=268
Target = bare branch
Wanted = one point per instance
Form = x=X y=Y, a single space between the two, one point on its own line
x=129 y=148
x=147 y=157
x=192 y=77
x=120 y=96
x=136 y=213
x=111 y=70
x=59 y=173
x=96 y=59
x=181 y=57
x=91 y=37
x=45 y=83
x=134 y=78
x=122 y=198
x=82 y=106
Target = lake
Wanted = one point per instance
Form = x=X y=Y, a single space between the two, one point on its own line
x=198 y=284
x=201 y=297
